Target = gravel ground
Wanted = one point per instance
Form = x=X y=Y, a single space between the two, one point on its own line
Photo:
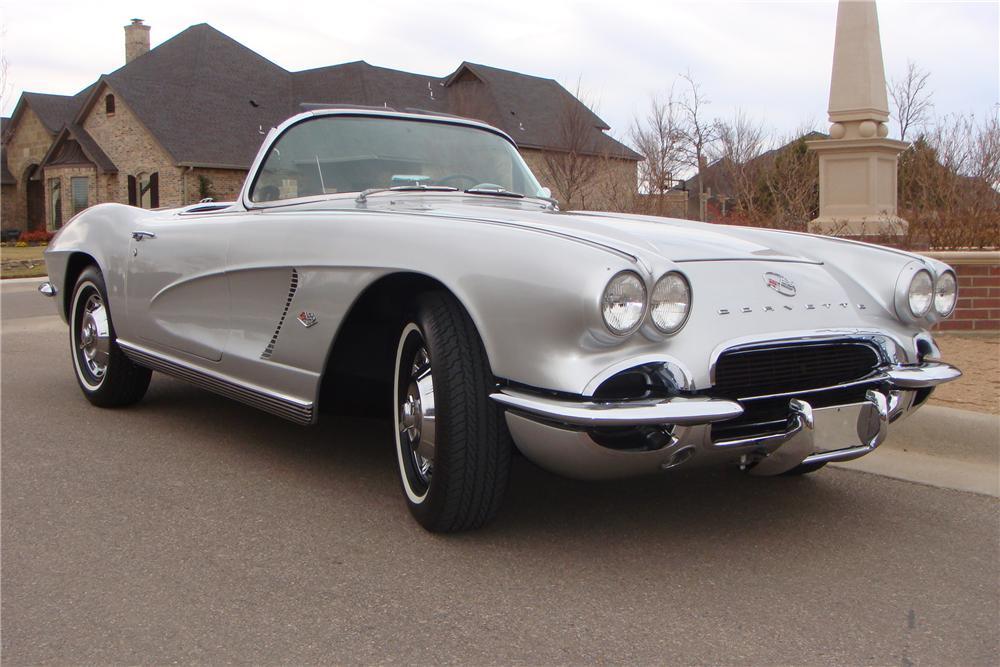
x=979 y=358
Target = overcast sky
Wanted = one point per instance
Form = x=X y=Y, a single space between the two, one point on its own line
x=771 y=59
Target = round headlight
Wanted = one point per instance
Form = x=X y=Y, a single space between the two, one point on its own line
x=670 y=302
x=920 y=294
x=945 y=293
x=624 y=303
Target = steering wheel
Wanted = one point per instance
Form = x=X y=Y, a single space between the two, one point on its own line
x=459 y=177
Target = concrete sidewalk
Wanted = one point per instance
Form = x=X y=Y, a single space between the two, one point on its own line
x=942 y=447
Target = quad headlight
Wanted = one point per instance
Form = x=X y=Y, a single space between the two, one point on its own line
x=624 y=303
x=920 y=293
x=945 y=294
x=670 y=303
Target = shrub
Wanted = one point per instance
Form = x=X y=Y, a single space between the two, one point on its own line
x=36 y=236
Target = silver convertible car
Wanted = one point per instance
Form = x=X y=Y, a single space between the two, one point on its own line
x=379 y=260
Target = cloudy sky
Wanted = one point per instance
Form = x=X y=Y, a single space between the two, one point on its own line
x=772 y=59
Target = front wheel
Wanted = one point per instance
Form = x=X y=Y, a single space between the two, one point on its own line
x=106 y=376
x=452 y=443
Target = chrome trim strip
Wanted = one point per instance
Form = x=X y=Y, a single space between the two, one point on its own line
x=676 y=410
x=300 y=412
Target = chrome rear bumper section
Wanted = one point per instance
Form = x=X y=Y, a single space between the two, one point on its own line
x=562 y=435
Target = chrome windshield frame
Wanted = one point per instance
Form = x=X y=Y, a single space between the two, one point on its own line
x=278 y=132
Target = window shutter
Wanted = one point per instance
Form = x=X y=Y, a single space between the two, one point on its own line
x=133 y=198
x=154 y=190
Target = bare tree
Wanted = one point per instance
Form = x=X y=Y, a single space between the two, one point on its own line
x=658 y=137
x=790 y=185
x=741 y=145
x=949 y=184
x=573 y=167
x=911 y=100
x=698 y=133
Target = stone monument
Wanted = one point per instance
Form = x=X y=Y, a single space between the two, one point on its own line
x=857 y=164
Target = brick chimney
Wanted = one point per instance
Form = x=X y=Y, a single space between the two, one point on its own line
x=136 y=40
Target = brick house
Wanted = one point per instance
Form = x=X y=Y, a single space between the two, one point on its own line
x=183 y=121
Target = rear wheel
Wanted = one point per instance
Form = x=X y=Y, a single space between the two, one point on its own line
x=105 y=375
x=452 y=444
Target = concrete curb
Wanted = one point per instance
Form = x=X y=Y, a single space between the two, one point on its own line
x=21 y=281
x=942 y=447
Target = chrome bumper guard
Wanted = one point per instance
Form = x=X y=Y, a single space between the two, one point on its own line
x=676 y=410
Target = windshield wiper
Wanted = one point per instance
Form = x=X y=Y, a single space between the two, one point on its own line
x=363 y=195
x=498 y=191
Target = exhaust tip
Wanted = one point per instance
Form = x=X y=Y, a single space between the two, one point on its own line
x=682 y=455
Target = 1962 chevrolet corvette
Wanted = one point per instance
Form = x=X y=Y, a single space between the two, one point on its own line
x=415 y=259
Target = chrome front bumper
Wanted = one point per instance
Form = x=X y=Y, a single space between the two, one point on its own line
x=557 y=433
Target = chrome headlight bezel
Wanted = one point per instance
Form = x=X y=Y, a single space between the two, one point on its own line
x=926 y=285
x=943 y=276
x=632 y=328
x=904 y=282
x=664 y=279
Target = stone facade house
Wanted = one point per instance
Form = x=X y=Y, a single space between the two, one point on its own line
x=183 y=121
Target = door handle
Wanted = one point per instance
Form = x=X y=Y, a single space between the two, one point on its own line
x=138 y=236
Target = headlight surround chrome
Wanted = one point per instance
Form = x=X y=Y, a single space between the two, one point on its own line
x=920 y=293
x=623 y=303
x=945 y=293
x=670 y=303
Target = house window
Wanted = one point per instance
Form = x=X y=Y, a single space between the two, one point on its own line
x=144 y=190
x=80 y=186
x=55 y=203
x=109 y=104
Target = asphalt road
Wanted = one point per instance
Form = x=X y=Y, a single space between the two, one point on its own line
x=194 y=529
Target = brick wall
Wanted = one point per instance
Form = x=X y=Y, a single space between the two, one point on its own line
x=225 y=184
x=8 y=207
x=616 y=181
x=65 y=174
x=134 y=151
x=27 y=146
x=978 y=290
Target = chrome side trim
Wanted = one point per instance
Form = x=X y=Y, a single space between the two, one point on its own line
x=292 y=288
x=676 y=410
x=300 y=412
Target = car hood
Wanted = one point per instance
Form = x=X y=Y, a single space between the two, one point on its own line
x=676 y=240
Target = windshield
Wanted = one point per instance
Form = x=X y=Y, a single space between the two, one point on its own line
x=332 y=154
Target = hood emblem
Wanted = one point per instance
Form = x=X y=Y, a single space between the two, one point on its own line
x=307 y=319
x=779 y=284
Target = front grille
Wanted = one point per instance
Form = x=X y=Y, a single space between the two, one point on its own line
x=792 y=368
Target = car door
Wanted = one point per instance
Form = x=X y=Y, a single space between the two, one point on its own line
x=176 y=287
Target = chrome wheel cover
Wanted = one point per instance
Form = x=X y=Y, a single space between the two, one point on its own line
x=414 y=413
x=91 y=336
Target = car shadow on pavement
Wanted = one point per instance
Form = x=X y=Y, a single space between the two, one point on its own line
x=349 y=454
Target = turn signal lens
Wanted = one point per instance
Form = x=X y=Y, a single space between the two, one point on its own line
x=670 y=303
x=921 y=293
x=945 y=294
x=623 y=303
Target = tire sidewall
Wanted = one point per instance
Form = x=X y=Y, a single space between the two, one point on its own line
x=424 y=506
x=89 y=281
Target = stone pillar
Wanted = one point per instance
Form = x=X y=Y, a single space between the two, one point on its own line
x=136 y=40
x=857 y=164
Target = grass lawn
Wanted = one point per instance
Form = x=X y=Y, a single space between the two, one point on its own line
x=22 y=262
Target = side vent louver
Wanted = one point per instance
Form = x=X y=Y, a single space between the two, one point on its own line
x=292 y=287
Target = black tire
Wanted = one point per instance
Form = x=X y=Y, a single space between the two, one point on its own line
x=462 y=485
x=803 y=469
x=106 y=376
